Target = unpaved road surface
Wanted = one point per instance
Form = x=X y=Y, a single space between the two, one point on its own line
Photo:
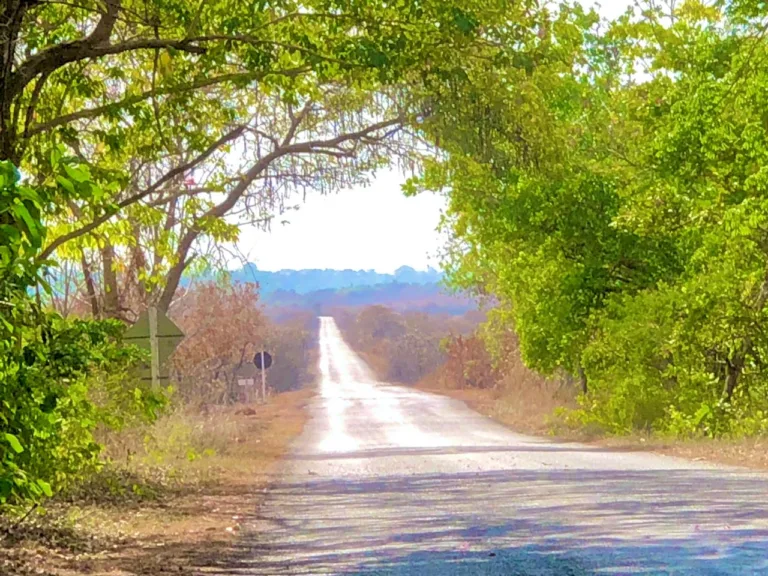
x=388 y=480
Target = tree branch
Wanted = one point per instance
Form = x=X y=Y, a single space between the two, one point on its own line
x=99 y=110
x=146 y=192
x=54 y=58
x=221 y=209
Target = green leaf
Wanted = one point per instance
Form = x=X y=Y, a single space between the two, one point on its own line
x=45 y=487
x=14 y=443
x=32 y=227
x=55 y=156
x=66 y=184
x=77 y=174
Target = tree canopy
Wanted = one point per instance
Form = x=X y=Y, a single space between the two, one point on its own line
x=188 y=119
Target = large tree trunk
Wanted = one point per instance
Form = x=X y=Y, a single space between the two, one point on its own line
x=111 y=292
x=583 y=381
x=733 y=369
x=175 y=274
x=11 y=18
x=90 y=287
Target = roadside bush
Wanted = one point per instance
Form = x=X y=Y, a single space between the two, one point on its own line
x=68 y=381
x=59 y=379
x=660 y=364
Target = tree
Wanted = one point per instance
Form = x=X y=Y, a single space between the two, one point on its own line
x=606 y=189
x=224 y=326
x=531 y=203
x=59 y=379
x=159 y=237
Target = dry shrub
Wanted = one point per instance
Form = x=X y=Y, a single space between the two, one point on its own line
x=184 y=435
x=175 y=453
x=467 y=365
x=188 y=449
x=225 y=326
x=401 y=346
x=500 y=385
x=529 y=402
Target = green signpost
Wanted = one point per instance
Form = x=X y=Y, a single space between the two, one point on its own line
x=155 y=332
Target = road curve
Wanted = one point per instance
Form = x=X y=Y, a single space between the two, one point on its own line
x=388 y=480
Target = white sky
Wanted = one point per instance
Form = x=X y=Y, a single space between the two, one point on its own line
x=362 y=228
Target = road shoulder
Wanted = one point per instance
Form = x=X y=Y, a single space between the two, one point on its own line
x=749 y=453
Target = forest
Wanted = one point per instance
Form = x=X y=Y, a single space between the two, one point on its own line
x=607 y=186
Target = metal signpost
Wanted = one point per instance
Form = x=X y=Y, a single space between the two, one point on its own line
x=263 y=361
x=155 y=332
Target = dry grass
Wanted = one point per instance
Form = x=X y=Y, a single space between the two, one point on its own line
x=523 y=400
x=177 y=508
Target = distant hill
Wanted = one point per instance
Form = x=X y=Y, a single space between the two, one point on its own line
x=431 y=298
x=306 y=281
x=320 y=292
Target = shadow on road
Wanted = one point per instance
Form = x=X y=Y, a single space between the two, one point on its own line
x=515 y=522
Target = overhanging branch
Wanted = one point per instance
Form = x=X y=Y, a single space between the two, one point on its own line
x=163 y=90
x=144 y=193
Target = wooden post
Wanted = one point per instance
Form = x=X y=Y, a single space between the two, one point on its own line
x=263 y=379
x=155 y=351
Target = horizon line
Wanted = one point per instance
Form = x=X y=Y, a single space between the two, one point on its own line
x=377 y=271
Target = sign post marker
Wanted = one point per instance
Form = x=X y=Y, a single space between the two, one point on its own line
x=157 y=334
x=155 y=365
x=263 y=379
x=263 y=361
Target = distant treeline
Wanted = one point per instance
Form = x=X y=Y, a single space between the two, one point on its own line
x=305 y=281
x=428 y=298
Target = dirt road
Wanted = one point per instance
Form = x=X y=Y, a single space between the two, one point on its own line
x=387 y=480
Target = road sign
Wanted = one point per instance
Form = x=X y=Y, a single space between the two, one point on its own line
x=267 y=362
x=155 y=332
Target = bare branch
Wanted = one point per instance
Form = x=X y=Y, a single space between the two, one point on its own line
x=146 y=192
x=296 y=121
x=221 y=209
